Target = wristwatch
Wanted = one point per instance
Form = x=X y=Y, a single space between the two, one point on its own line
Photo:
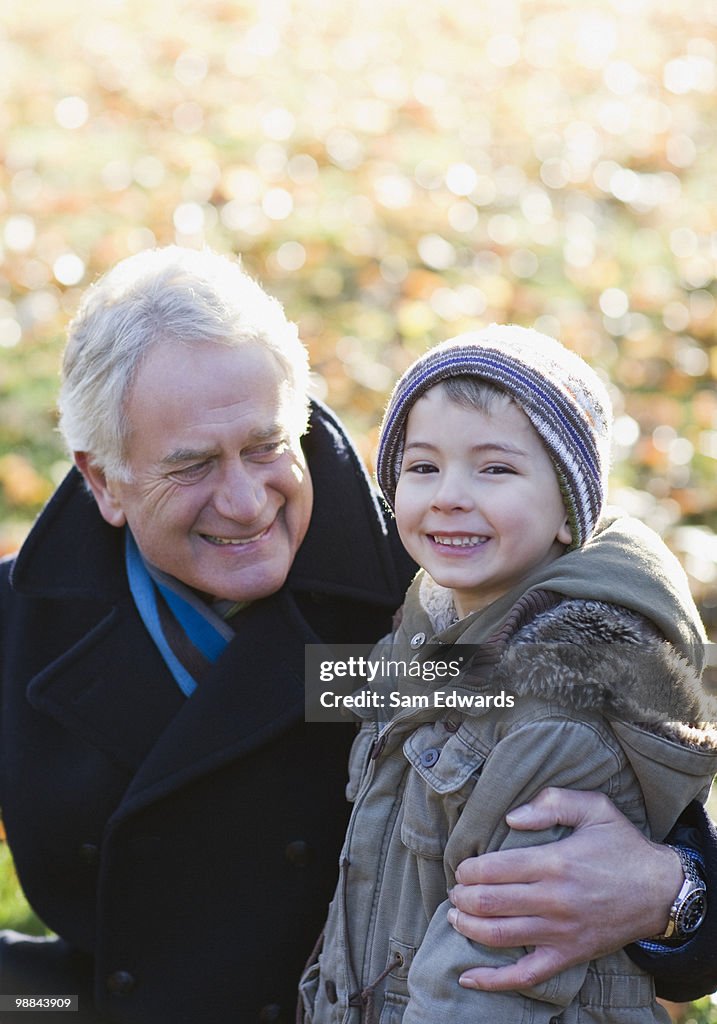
x=690 y=906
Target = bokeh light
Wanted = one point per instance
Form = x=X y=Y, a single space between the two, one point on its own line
x=395 y=174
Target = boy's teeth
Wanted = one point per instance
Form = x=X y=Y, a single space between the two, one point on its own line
x=459 y=542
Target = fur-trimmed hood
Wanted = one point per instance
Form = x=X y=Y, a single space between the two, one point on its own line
x=577 y=650
x=624 y=563
x=586 y=655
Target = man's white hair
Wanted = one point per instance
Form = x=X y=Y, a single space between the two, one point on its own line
x=163 y=296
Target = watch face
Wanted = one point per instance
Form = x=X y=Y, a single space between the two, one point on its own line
x=692 y=913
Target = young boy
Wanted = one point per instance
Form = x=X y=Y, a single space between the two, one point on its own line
x=494 y=455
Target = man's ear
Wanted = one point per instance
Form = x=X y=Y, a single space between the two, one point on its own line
x=565 y=534
x=103 y=490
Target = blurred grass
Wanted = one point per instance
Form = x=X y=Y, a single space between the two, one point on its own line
x=14 y=909
x=525 y=161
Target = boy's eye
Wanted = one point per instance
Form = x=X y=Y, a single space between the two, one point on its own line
x=498 y=470
x=421 y=468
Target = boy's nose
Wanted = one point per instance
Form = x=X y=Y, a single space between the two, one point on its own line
x=451 y=493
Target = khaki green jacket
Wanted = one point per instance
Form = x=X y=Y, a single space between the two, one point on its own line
x=600 y=702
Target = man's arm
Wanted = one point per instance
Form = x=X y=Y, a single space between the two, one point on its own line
x=602 y=887
x=689 y=970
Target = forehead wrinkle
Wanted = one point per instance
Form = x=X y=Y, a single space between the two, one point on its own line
x=230 y=411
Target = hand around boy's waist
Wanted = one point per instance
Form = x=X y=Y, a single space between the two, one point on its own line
x=574 y=900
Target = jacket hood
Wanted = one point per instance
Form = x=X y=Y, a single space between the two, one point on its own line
x=594 y=656
x=586 y=656
x=625 y=563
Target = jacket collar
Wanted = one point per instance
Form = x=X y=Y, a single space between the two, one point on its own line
x=350 y=549
x=72 y=553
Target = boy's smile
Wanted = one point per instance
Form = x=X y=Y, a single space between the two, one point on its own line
x=477 y=503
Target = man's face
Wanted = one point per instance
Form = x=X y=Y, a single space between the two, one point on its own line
x=220 y=495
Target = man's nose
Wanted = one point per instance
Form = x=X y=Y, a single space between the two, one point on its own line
x=240 y=495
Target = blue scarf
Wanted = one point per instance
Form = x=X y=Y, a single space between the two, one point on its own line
x=189 y=635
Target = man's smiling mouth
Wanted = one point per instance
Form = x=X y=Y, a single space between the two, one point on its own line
x=233 y=541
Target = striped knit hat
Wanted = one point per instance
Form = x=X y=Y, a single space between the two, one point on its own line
x=560 y=394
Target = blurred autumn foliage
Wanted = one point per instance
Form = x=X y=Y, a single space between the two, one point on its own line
x=395 y=173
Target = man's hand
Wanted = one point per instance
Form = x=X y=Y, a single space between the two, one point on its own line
x=591 y=893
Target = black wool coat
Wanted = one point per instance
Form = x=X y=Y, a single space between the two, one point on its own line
x=188 y=847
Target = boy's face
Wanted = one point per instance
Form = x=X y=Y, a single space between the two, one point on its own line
x=477 y=502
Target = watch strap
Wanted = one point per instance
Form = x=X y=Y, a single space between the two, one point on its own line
x=692 y=889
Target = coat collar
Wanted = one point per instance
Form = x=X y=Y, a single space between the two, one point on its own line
x=72 y=553
x=256 y=690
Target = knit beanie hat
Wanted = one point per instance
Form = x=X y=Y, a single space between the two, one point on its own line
x=563 y=398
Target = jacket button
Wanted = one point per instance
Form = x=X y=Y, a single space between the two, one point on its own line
x=299 y=853
x=418 y=640
x=451 y=726
x=429 y=757
x=331 y=993
x=120 y=983
x=270 y=1013
x=89 y=853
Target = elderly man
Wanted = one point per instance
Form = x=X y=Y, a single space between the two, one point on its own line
x=172 y=817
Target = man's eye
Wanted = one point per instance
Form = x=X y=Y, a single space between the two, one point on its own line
x=188 y=474
x=269 y=451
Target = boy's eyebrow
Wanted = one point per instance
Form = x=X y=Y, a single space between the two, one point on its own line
x=488 y=446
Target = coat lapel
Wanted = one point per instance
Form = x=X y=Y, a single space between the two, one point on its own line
x=96 y=690
x=141 y=721
x=253 y=693
x=110 y=686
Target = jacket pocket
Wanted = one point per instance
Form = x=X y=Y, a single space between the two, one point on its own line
x=394 y=1007
x=616 y=992
x=445 y=767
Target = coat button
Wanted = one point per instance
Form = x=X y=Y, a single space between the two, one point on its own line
x=429 y=757
x=270 y=1013
x=299 y=853
x=331 y=993
x=89 y=854
x=451 y=726
x=418 y=640
x=120 y=983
